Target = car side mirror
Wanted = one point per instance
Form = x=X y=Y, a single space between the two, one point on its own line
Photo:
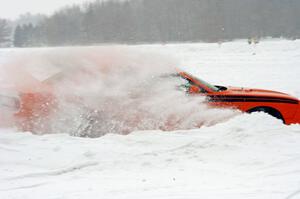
x=194 y=89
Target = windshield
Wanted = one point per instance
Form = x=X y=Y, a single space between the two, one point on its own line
x=212 y=87
x=199 y=82
x=190 y=80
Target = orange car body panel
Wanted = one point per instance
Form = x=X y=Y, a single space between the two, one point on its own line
x=34 y=107
x=246 y=99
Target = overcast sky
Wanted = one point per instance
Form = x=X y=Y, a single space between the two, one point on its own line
x=11 y=9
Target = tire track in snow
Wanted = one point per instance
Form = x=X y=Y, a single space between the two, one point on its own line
x=24 y=187
x=56 y=172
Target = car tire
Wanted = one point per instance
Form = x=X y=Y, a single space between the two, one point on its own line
x=271 y=111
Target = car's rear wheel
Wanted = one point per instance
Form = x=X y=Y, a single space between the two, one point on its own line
x=271 y=111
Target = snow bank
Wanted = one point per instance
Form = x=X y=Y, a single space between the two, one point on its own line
x=251 y=156
x=248 y=156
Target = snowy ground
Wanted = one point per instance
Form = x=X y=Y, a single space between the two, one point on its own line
x=249 y=156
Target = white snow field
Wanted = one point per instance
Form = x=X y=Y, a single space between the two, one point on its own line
x=246 y=156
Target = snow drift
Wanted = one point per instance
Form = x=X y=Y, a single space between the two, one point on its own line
x=251 y=156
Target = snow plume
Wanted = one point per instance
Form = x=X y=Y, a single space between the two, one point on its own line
x=102 y=90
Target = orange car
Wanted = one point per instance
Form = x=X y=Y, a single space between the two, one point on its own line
x=277 y=104
x=31 y=109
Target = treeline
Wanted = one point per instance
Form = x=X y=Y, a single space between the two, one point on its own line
x=5 y=33
x=135 y=21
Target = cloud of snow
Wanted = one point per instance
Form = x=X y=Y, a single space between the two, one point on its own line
x=102 y=90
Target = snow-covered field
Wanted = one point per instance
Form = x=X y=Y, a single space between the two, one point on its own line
x=248 y=156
